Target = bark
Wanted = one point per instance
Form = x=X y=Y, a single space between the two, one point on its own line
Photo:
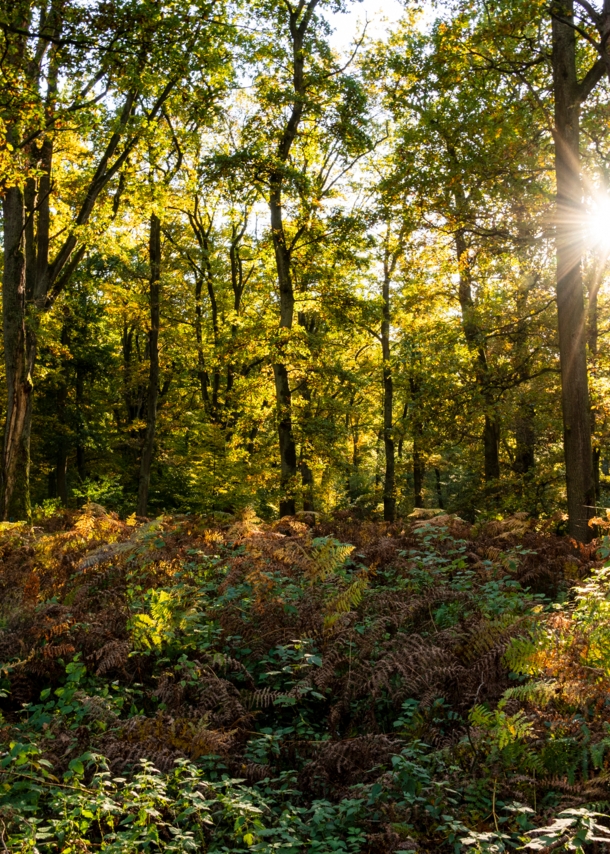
x=80 y=443
x=61 y=463
x=307 y=482
x=476 y=343
x=491 y=445
x=419 y=460
x=525 y=434
x=419 y=473
x=18 y=354
x=153 y=376
x=570 y=299
x=287 y=444
x=525 y=437
x=31 y=281
x=288 y=452
x=389 y=483
x=439 y=489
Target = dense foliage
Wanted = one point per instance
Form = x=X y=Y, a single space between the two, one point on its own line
x=197 y=685
x=305 y=402
x=256 y=271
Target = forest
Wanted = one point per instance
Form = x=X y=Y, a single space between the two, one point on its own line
x=305 y=398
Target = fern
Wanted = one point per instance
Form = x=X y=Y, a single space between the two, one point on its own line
x=325 y=557
x=502 y=728
x=539 y=693
x=345 y=601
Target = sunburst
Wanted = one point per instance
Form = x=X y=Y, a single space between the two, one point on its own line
x=597 y=227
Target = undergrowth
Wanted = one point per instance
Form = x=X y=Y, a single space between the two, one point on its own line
x=218 y=684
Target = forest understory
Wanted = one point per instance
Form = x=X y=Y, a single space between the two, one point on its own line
x=314 y=684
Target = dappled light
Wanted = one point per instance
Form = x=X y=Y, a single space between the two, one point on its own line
x=305 y=414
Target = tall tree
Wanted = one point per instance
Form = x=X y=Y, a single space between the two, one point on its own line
x=569 y=95
x=66 y=58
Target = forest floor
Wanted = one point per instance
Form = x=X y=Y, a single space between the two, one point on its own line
x=221 y=684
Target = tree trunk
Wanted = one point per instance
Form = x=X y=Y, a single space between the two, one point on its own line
x=491 y=445
x=476 y=343
x=80 y=437
x=439 y=489
x=419 y=461
x=525 y=437
x=283 y=396
x=389 y=484
x=570 y=298
x=288 y=453
x=153 y=376
x=18 y=353
x=419 y=472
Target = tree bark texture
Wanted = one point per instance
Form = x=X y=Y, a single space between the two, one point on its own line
x=153 y=375
x=389 y=483
x=18 y=355
x=31 y=280
x=476 y=343
x=283 y=396
x=570 y=297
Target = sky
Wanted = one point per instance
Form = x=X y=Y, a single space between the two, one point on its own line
x=381 y=15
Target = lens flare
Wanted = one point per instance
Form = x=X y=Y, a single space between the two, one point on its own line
x=598 y=223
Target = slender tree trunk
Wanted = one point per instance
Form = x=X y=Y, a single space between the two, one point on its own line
x=439 y=489
x=491 y=446
x=525 y=437
x=389 y=483
x=299 y=20
x=288 y=451
x=417 y=430
x=80 y=437
x=18 y=353
x=476 y=343
x=570 y=298
x=283 y=396
x=525 y=434
x=419 y=472
x=62 y=448
x=153 y=377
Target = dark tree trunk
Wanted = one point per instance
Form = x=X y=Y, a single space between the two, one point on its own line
x=419 y=473
x=62 y=447
x=476 y=343
x=419 y=460
x=31 y=283
x=525 y=438
x=80 y=437
x=153 y=376
x=307 y=483
x=570 y=299
x=439 y=489
x=18 y=354
x=491 y=445
x=525 y=434
x=389 y=483
x=288 y=453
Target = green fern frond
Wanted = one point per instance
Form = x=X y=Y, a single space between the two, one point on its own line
x=345 y=601
x=328 y=556
x=541 y=693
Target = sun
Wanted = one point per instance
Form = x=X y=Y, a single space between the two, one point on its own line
x=598 y=223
